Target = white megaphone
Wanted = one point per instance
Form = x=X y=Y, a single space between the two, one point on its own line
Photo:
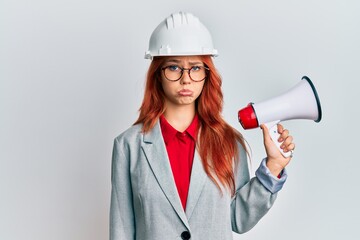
x=300 y=102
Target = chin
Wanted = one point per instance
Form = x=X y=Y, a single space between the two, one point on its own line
x=187 y=101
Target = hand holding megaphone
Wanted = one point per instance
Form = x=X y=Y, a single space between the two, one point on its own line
x=280 y=138
x=276 y=162
x=300 y=102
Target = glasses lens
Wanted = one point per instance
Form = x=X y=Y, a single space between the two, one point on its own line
x=173 y=73
x=197 y=73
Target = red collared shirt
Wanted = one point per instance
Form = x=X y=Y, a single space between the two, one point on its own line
x=180 y=147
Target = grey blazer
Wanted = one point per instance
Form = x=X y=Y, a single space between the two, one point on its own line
x=145 y=204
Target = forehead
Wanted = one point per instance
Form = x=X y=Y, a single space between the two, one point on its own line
x=184 y=59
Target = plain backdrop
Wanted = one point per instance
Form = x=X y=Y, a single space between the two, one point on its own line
x=72 y=77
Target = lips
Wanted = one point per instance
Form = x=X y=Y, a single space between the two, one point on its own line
x=185 y=92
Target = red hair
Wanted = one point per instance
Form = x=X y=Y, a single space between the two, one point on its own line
x=219 y=152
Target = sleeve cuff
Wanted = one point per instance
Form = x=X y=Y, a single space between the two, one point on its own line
x=270 y=182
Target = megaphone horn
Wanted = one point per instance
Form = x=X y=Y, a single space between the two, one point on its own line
x=300 y=102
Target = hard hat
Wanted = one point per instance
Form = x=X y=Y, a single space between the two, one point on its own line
x=180 y=34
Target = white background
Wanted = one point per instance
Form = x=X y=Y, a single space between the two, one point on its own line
x=71 y=79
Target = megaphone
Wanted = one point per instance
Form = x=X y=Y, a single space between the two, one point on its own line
x=300 y=102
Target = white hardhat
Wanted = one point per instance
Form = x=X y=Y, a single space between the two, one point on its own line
x=181 y=34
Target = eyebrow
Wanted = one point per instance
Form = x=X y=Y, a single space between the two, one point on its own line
x=179 y=61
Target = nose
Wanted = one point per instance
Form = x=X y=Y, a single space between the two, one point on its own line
x=185 y=78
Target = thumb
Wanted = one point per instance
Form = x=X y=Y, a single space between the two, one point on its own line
x=268 y=142
x=266 y=133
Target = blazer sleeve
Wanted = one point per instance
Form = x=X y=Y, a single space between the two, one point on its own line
x=252 y=199
x=122 y=224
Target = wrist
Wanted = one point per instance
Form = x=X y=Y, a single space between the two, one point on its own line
x=274 y=167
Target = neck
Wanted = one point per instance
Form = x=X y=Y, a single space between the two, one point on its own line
x=180 y=116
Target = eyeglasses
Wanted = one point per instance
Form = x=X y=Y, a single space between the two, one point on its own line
x=196 y=73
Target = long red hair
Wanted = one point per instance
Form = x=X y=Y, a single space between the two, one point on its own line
x=219 y=151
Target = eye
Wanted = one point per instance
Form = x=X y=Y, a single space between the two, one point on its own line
x=174 y=68
x=195 y=68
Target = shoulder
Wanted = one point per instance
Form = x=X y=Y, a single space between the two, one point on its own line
x=242 y=147
x=132 y=134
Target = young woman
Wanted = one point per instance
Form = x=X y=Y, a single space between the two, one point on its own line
x=181 y=172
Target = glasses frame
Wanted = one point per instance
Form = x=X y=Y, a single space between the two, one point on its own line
x=188 y=71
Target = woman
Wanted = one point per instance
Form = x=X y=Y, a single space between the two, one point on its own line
x=180 y=172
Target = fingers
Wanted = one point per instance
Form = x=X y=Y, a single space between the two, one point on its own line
x=288 y=145
x=283 y=132
x=291 y=147
x=287 y=140
x=280 y=128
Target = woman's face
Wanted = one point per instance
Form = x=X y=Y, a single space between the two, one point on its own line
x=184 y=91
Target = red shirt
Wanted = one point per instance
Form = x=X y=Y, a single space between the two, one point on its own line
x=180 y=147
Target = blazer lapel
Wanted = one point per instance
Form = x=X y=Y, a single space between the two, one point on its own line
x=156 y=154
x=197 y=183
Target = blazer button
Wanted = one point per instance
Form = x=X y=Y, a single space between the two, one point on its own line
x=185 y=235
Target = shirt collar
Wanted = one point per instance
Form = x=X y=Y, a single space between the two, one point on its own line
x=169 y=132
